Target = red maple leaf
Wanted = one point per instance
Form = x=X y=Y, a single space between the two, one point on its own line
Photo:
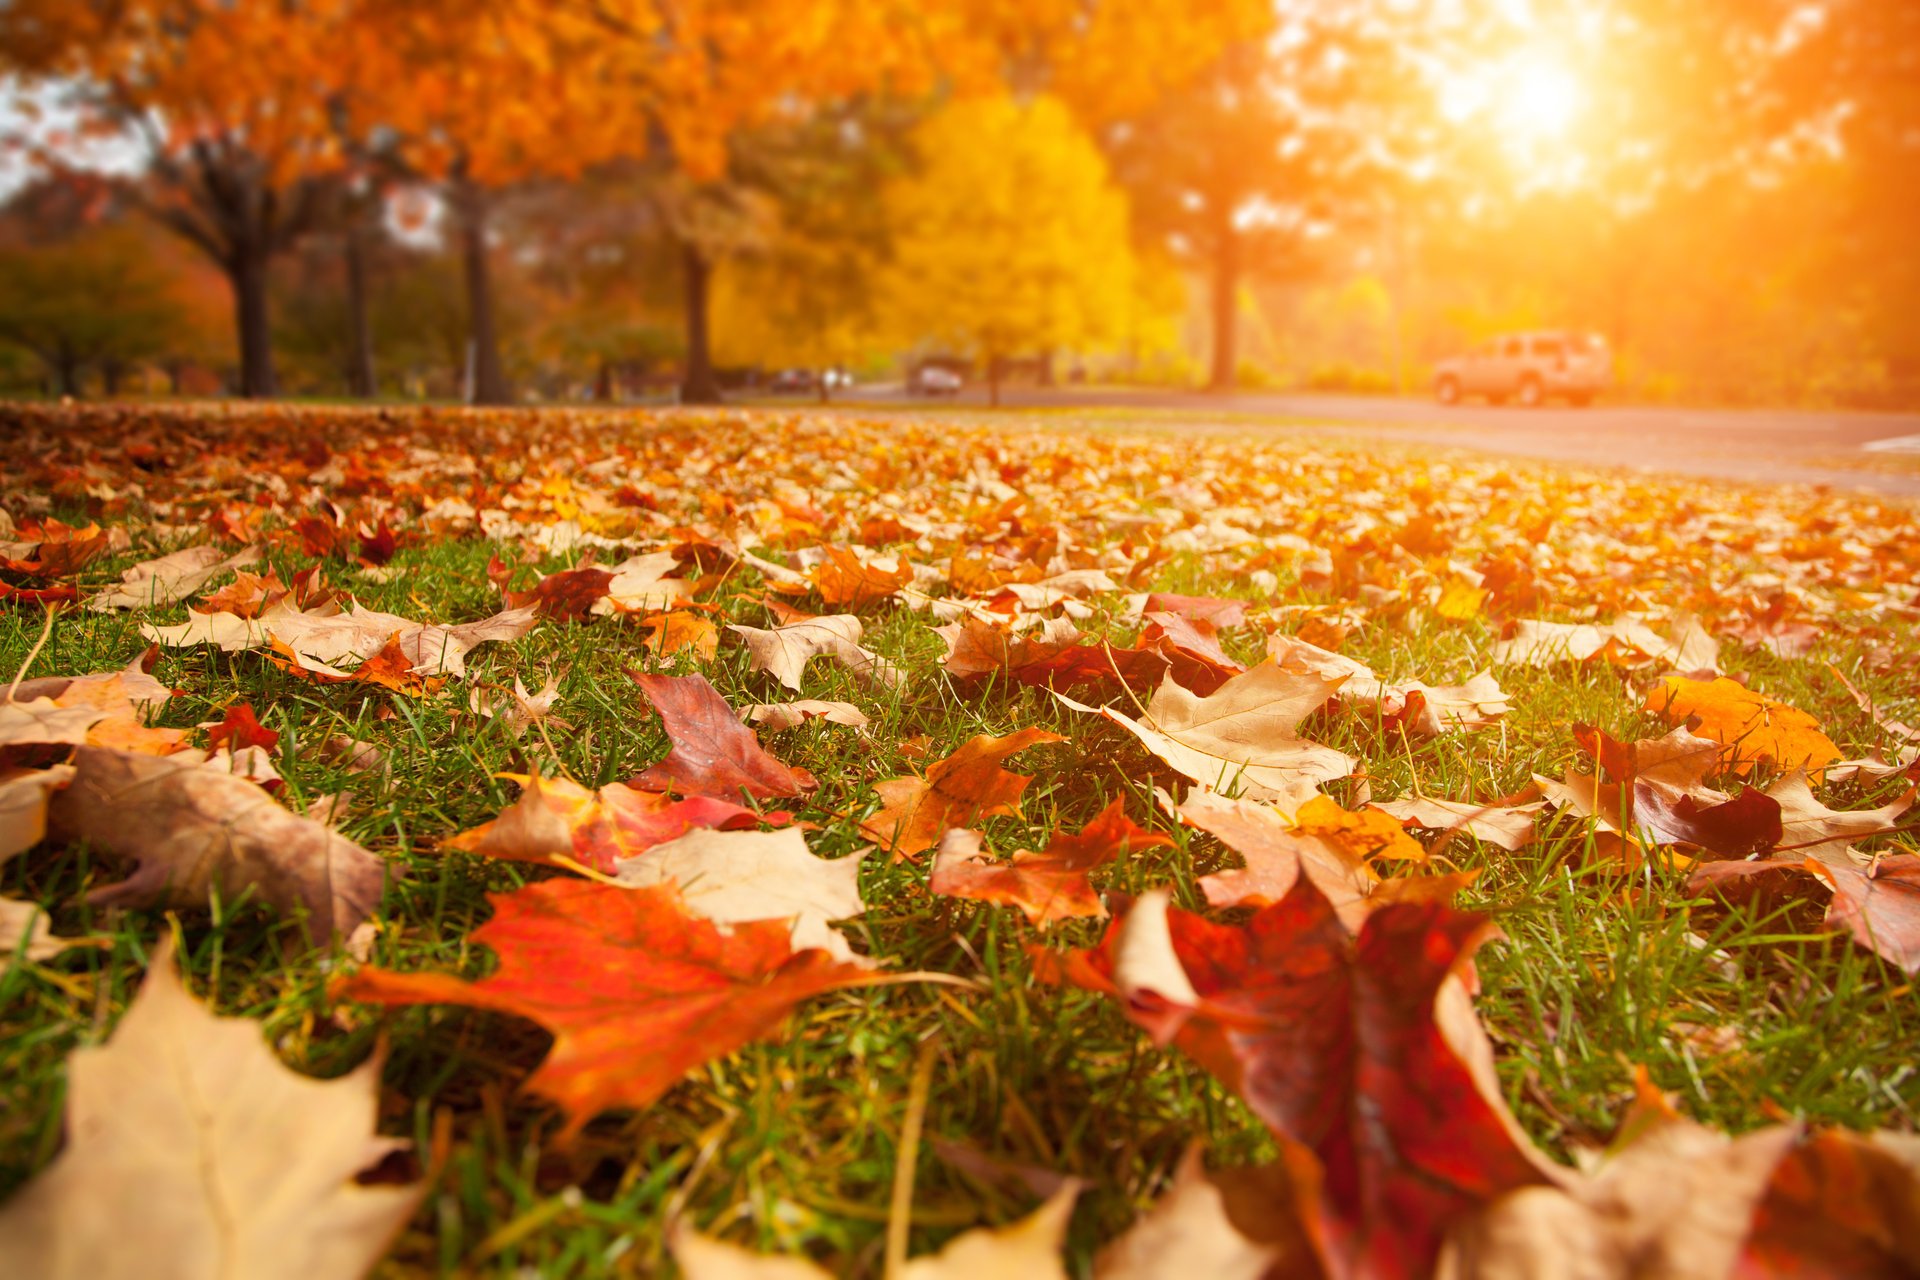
x=1332 y=1040
x=636 y=991
x=713 y=753
x=567 y=596
x=1192 y=646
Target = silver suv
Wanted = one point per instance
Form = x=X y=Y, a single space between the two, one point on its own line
x=1528 y=368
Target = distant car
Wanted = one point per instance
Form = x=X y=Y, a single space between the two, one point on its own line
x=837 y=379
x=935 y=380
x=792 y=382
x=1529 y=369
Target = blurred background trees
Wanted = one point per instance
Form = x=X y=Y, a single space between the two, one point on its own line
x=499 y=199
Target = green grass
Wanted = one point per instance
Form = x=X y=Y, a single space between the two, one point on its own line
x=791 y=1146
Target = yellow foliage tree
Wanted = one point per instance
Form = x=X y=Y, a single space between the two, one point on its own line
x=1011 y=238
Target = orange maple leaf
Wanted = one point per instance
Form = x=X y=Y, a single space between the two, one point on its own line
x=966 y=786
x=1754 y=728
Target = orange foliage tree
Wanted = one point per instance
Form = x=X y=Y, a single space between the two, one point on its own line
x=235 y=105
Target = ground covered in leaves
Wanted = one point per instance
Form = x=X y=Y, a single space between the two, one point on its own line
x=751 y=830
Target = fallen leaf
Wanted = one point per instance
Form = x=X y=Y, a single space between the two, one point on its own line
x=1746 y=824
x=559 y=818
x=1192 y=649
x=195 y=831
x=1028 y=1249
x=1188 y=1230
x=1807 y=824
x=1629 y=642
x=1333 y=1041
x=238 y=729
x=777 y=716
x=956 y=792
x=1241 y=734
x=844 y=581
x=316 y=642
x=734 y=876
x=783 y=652
x=192 y=1151
x=1508 y=827
x=1839 y=1206
x=1753 y=727
x=25 y=935
x=670 y=633
x=24 y=796
x=1880 y=905
x=1275 y=855
x=171 y=578
x=567 y=596
x=1048 y=886
x=636 y=990
x=641 y=585
x=713 y=753
x=1211 y=609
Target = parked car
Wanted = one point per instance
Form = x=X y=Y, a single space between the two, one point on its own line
x=792 y=382
x=935 y=380
x=1528 y=368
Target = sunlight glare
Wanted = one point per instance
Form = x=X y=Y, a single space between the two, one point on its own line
x=1540 y=99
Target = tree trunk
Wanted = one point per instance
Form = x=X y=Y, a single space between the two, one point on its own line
x=110 y=371
x=993 y=381
x=1226 y=300
x=66 y=372
x=603 y=381
x=489 y=381
x=699 y=386
x=361 y=381
x=247 y=274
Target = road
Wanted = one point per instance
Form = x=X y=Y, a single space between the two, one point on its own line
x=1879 y=452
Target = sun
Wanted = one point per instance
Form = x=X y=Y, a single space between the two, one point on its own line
x=1539 y=98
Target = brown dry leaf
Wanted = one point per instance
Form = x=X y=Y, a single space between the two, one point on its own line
x=352 y=754
x=783 y=652
x=1880 y=905
x=957 y=791
x=1187 y=1231
x=24 y=796
x=731 y=876
x=713 y=753
x=192 y=1151
x=776 y=716
x=557 y=818
x=44 y=722
x=1508 y=827
x=1753 y=728
x=520 y=710
x=1047 y=886
x=1027 y=1250
x=193 y=830
x=1242 y=734
x=669 y=633
x=171 y=578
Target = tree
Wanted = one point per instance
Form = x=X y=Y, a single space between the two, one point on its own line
x=1011 y=239
x=233 y=102
x=1238 y=169
x=95 y=299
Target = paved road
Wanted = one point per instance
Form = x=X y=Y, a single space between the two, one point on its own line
x=1874 y=451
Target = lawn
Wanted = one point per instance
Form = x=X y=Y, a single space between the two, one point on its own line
x=1614 y=953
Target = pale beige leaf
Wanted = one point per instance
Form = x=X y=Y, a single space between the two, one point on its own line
x=1507 y=826
x=24 y=796
x=1627 y=642
x=734 y=876
x=786 y=715
x=1804 y=821
x=170 y=578
x=1186 y=1232
x=1025 y=1250
x=193 y=831
x=44 y=722
x=319 y=640
x=1241 y=735
x=24 y=924
x=783 y=652
x=191 y=1151
x=1144 y=959
x=1275 y=855
x=644 y=584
